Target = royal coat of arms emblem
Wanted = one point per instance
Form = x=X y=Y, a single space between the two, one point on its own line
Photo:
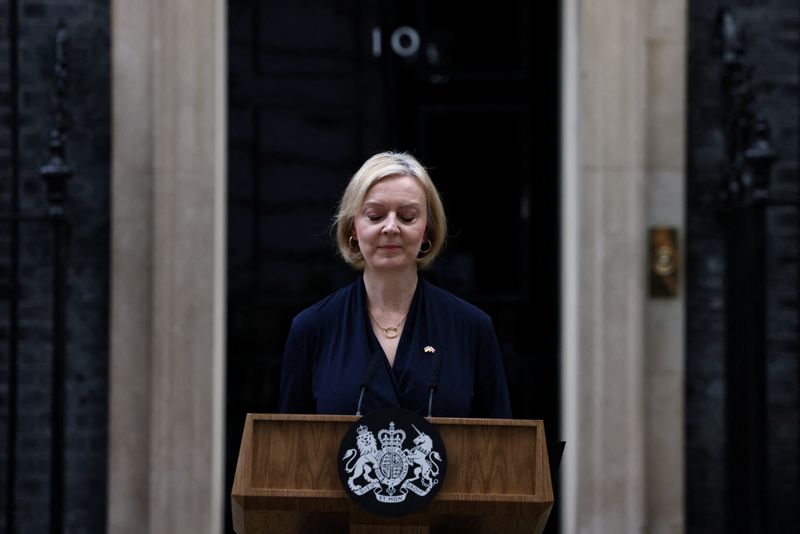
x=398 y=472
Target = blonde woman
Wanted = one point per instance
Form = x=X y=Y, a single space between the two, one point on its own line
x=391 y=327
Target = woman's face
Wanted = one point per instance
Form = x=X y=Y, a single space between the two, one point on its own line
x=390 y=225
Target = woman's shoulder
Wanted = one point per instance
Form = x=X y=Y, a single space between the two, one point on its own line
x=329 y=307
x=448 y=302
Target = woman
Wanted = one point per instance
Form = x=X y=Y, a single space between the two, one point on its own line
x=391 y=223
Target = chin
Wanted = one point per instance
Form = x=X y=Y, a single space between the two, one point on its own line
x=393 y=264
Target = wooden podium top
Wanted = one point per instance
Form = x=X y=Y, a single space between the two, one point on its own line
x=498 y=476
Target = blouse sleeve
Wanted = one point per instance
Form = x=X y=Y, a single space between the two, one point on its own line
x=491 y=397
x=295 y=392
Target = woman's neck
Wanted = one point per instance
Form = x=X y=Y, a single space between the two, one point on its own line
x=390 y=292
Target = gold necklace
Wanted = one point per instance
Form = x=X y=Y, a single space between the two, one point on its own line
x=390 y=332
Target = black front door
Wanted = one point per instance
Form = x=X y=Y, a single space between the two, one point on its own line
x=316 y=87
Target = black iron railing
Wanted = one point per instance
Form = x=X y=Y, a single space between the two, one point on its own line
x=55 y=174
x=745 y=199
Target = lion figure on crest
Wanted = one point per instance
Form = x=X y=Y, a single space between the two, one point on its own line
x=366 y=462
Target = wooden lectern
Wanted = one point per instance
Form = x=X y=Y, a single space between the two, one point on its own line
x=498 y=479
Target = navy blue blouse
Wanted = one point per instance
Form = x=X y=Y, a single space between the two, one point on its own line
x=331 y=343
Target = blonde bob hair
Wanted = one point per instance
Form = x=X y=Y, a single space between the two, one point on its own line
x=377 y=168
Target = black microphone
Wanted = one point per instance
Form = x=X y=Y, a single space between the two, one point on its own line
x=433 y=383
x=371 y=370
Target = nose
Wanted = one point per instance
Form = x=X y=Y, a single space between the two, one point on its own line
x=390 y=226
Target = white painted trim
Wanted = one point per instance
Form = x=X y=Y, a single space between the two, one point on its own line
x=219 y=490
x=570 y=276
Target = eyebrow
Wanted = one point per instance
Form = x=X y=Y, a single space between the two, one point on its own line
x=412 y=204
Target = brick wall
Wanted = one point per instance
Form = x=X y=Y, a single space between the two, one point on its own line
x=772 y=46
x=85 y=371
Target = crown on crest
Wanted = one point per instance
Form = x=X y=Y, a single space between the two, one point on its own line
x=362 y=430
x=391 y=437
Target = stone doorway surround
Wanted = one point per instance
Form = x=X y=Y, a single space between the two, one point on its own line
x=168 y=202
x=623 y=169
